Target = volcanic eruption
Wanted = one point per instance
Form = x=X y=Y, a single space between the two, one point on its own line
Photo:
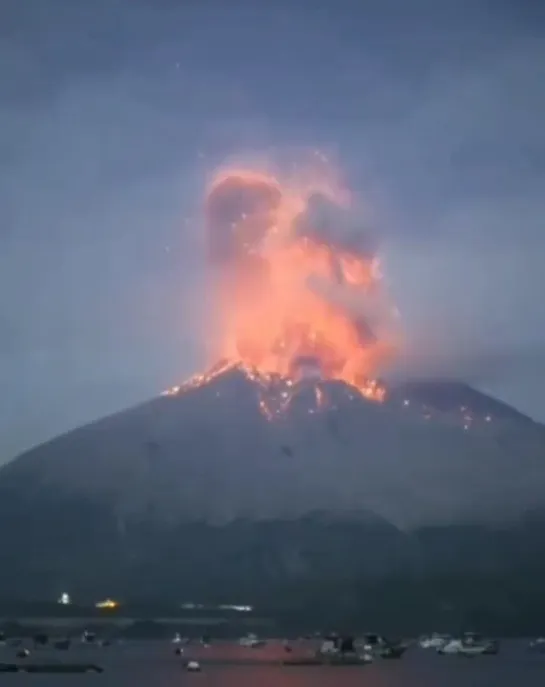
x=287 y=464
x=296 y=297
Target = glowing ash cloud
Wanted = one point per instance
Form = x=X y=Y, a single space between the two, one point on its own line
x=292 y=298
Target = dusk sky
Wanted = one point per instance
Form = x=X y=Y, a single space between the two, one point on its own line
x=113 y=112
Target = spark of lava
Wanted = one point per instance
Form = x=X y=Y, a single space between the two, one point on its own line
x=291 y=301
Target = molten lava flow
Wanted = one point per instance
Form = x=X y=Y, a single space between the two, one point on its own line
x=290 y=301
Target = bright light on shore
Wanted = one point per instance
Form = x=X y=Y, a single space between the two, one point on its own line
x=107 y=603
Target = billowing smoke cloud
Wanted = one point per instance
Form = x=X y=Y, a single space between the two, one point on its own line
x=294 y=278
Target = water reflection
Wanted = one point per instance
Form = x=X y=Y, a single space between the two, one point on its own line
x=154 y=664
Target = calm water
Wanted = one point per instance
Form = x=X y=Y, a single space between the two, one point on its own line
x=154 y=664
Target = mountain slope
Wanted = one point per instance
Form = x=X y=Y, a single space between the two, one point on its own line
x=200 y=492
x=210 y=454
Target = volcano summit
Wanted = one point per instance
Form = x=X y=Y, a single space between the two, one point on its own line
x=293 y=290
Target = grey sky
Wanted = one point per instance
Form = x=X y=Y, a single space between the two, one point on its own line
x=112 y=112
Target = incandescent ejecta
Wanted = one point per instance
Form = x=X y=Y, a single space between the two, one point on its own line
x=293 y=296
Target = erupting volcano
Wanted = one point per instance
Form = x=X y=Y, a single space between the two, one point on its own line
x=291 y=301
x=202 y=491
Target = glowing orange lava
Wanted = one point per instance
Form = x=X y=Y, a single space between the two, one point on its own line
x=290 y=301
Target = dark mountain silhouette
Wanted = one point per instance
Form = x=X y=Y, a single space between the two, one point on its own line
x=199 y=495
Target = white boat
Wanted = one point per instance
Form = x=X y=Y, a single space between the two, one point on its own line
x=88 y=637
x=458 y=647
x=434 y=641
x=537 y=645
x=251 y=641
x=328 y=647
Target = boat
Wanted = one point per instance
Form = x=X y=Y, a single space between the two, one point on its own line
x=492 y=648
x=251 y=641
x=433 y=641
x=458 y=647
x=373 y=641
x=328 y=647
x=392 y=651
x=537 y=645
x=88 y=637
x=337 y=651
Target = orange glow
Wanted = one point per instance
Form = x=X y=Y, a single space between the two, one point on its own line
x=107 y=603
x=287 y=299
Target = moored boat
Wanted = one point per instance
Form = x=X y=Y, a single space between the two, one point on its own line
x=433 y=641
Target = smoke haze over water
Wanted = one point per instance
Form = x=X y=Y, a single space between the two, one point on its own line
x=111 y=120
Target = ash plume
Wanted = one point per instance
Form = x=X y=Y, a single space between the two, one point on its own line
x=295 y=277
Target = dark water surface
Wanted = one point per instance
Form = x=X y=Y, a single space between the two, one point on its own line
x=153 y=664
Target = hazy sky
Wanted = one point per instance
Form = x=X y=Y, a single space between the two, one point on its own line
x=113 y=111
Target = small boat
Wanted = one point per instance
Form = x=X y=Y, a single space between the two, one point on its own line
x=457 y=647
x=537 y=645
x=251 y=641
x=492 y=647
x=337 y=651
x=433 y=641
x=373 y=641
x=328 y=647
x=392 y=651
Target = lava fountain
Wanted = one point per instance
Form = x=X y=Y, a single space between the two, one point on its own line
x=293 y=298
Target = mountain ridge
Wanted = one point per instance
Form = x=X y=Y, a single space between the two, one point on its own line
x=210 y=453
x=338 y=508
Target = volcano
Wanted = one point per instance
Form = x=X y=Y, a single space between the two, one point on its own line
x=202 y=488
x=288 y=473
